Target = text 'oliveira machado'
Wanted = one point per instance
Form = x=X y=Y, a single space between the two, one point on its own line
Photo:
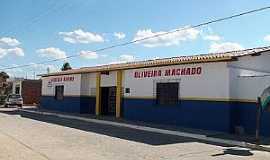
x=168 y=72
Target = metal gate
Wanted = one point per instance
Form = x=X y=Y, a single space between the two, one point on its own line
x=108 y=100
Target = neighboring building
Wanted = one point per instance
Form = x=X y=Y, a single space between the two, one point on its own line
x=29 y=89
x=210 y=91
x=4 y=85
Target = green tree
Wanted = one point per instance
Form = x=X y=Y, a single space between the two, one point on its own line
x=4 y=75
x=66 y=66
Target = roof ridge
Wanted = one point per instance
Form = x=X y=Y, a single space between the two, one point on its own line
x=184 y=56
x=196 y=58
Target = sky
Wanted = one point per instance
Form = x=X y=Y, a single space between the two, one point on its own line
x=33 y=31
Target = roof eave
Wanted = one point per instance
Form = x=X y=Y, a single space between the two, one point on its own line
x=137 y=66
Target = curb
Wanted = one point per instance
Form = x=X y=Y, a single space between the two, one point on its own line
x=157 y=130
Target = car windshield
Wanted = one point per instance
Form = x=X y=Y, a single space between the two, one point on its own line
x=14 y=96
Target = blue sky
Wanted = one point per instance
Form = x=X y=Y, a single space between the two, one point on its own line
x=36 y=30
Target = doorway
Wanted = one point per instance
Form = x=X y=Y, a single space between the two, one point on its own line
x=108 y=100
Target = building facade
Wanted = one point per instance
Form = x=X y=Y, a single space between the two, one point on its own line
x=212 y=92
x=30 y=90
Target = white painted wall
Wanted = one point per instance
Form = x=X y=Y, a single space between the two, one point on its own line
x=108 y=80
x=222 y=80
x=242 y=85
x=14 y=84
x=213 y=82
x=71 y=88
x=88 y=84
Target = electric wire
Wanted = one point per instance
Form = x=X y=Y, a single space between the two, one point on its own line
x=145 y=38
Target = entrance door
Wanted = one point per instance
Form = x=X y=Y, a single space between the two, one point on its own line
x=108 y=100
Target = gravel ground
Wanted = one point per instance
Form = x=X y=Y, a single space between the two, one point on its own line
x=29 y=137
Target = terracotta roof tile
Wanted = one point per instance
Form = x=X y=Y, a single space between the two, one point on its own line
x=201 y=58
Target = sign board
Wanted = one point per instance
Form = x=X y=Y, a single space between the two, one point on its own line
x=185 y=71
x=60 y=79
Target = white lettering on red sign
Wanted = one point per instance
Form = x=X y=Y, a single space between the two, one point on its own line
x=168 y=72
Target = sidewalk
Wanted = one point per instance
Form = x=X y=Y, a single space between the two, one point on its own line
x=202 y=135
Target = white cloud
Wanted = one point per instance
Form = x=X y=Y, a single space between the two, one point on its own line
x=103 y=55
x=89 y=54
x=9 y=42
x=15 y=51
x=34 y=69
x=42 y=68
x=119 y=35
x=52 y=68
x=124 y=58
x=267 y=38
x=3 y=52
x=9 y=46
x=224 y=47
x=166 y=40
x=209 y=34
x=212 y=37
x=127 y=58
x=80 y=36
x=15 y=72
x=52 y=53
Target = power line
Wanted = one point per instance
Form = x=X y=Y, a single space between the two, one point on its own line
x=146 y=38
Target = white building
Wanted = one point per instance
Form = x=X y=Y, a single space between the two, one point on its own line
x=211 y=91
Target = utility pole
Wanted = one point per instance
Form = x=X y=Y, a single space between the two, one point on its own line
x=48 y=70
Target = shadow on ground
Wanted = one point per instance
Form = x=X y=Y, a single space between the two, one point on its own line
x=113 y=131
x=234 y=152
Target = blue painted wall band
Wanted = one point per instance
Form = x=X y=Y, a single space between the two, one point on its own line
x=70 y=104
x=207 y=115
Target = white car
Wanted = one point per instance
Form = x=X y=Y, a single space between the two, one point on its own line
x=14 y=100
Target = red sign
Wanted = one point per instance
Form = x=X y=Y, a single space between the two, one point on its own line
x=62 y=79
x=168 y=72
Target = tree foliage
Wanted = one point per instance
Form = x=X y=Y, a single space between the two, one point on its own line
x=66 y=66
x=4 y=75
